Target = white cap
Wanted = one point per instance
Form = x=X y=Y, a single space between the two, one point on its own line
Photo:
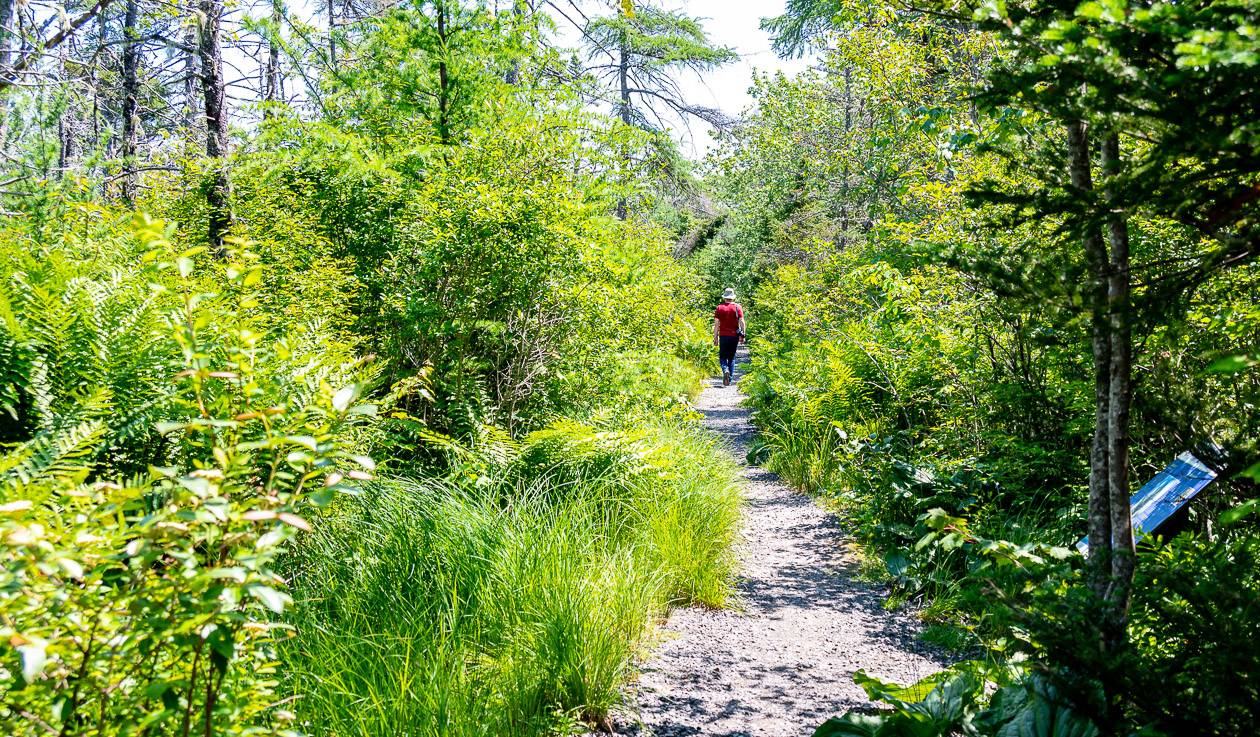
x=728 y=294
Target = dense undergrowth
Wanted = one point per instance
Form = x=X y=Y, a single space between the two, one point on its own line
x=196 y=530
x=409 y=451
x=924 y=355
x=377 y=422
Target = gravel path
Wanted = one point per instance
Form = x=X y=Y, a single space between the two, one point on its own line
x=782 y=662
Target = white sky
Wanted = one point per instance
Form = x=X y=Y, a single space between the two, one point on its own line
x=733 y=23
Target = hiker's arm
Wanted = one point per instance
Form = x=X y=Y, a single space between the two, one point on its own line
x=716 y=331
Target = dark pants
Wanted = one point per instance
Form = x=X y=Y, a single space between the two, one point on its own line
x=727 y=345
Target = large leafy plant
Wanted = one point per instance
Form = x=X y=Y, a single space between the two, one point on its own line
x=961 y=701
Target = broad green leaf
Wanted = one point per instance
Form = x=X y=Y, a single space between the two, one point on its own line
x=1092 y=10
x=342 y=399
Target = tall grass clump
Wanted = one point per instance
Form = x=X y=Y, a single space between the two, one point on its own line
x=513 y=606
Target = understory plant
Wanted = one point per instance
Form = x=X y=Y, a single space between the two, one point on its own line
x=514 y=603
x=147 y=602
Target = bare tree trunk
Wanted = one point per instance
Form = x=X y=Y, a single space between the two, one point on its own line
x=7 y=21
x=63 y=146
x=332 y=34
x=444 y=81
x=6 y=30
x=95 y=81
x=131 y=82
x=844 y=176
x=513 y=76
x=192 y=76
x=623 y=78
x=274 y=89
x=1100 y=532
x=1123 y=553
x=65 y=138
x=210 y=57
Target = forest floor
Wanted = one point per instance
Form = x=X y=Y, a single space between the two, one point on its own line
x=782 y=660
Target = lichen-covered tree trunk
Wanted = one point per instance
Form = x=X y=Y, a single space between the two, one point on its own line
x=1121 y=392
x=6 y=30
x=844 y=175
x=332 y=34
x=1100 y=532
x=1111 y=549
x=444 y=78
x=191 y=79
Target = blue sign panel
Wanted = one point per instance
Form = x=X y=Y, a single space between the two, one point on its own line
x=1163 y=495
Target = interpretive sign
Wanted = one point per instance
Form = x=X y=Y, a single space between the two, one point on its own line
x=1163 y=495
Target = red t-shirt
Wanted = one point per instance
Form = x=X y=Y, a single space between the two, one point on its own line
x=728 y=315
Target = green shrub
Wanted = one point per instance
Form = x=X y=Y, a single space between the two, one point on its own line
x=145 y=603
x=1196 y=630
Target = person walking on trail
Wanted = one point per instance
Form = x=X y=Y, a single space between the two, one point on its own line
x=728 y=333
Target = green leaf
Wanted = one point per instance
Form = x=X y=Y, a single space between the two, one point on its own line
x=342 y=399
x=1232 y=364
x=1252 y=472
x=1246 y=509
x=892 y=693
x=896 y=562
x=305 y=441
x=852 y=724
x=34 y=656
x=322 y=497
x=72 y=567
x=1091 y=10
x=270 y=598
x=364 y=461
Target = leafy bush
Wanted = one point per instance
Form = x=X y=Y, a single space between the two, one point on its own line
x=146 y=603
x=1187 y=664
x=84 y=339
x=1196 y=629
x=893 y=395
x=1184 y=667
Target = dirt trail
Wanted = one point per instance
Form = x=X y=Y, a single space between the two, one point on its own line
x=782 y=661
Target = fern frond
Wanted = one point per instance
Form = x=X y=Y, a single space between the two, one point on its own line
x=63 y=457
